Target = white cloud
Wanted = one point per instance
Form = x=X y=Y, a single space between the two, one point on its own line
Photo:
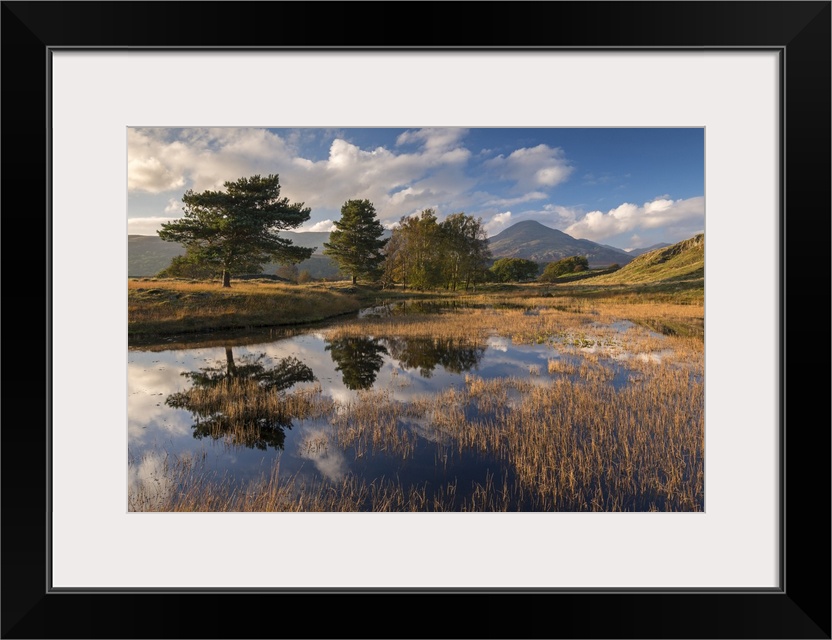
x=559 y=216
x=681 y=218
x=636 y=242
x=497 y=223
x=658 y=205
x=151 y=175
x=397 y=183
x=145 y=226
x=173 y=206
x=433 y=138
x=162 y=160
x=323 y=225
x=532 y=168
x=510 y=202
x=428 y=168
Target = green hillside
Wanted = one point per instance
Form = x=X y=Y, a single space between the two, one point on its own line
x=683 y=261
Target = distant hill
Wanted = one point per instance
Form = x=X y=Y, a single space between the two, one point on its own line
x=533 y=241
x=307 y=239
x=681 y=261
x=638 y=252
x=148 y=255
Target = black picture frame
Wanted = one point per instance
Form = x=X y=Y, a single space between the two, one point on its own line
x=799 y=608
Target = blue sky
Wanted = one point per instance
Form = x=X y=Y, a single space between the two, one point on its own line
x=626 y=187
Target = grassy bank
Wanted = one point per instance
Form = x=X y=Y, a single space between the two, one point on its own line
x=166 y=307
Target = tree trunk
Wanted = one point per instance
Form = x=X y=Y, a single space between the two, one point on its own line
x=226 y=278
x=230 y=367
x=353 y=279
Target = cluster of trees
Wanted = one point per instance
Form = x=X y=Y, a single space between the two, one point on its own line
x=291 y=273
x=236 y=231
x=573 y=264
x=513 y=270
x=423 y=253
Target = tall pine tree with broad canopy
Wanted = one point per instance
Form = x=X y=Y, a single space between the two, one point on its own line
x=236 y=231
x=356 y=242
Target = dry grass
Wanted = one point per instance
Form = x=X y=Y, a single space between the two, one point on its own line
x=160 y=307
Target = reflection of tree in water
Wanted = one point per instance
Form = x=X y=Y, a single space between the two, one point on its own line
x=425 y=354
x=242 y=402
x=358 y=360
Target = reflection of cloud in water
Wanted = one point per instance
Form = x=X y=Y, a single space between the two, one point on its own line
x=602 y=350
x=410 y=385
x=615 y=353
x=498 y=343
x=149 y=478
x=382 y=311
x=178 y=360
x=155 y=376
x=330 y=462
x=146 y=421
x=340 y=395
x=621 y=326
x=423 y=427
x=655 y=357
x=147 y=390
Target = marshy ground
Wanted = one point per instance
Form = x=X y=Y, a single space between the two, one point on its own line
x=516 y=399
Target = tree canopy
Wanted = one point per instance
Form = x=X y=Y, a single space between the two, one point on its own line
x=465 y=250
x=356 y=242
x=236 y=231
x=412 y=254
x=513 y=269
x=423 y=253
x=572 y=264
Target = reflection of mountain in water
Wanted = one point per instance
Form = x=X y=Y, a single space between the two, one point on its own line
x=425 y=354
x=242 y=402
x=358 y=360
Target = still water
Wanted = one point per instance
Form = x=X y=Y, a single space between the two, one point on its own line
x=170 y=413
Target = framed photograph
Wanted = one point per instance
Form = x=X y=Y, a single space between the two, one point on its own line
x=121 y=118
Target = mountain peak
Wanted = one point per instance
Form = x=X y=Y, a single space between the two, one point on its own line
x=527 y=227
x=533 y=240
x=529 y=223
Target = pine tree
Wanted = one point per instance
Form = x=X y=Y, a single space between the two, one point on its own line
x=357 y=241
x=236 y=230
